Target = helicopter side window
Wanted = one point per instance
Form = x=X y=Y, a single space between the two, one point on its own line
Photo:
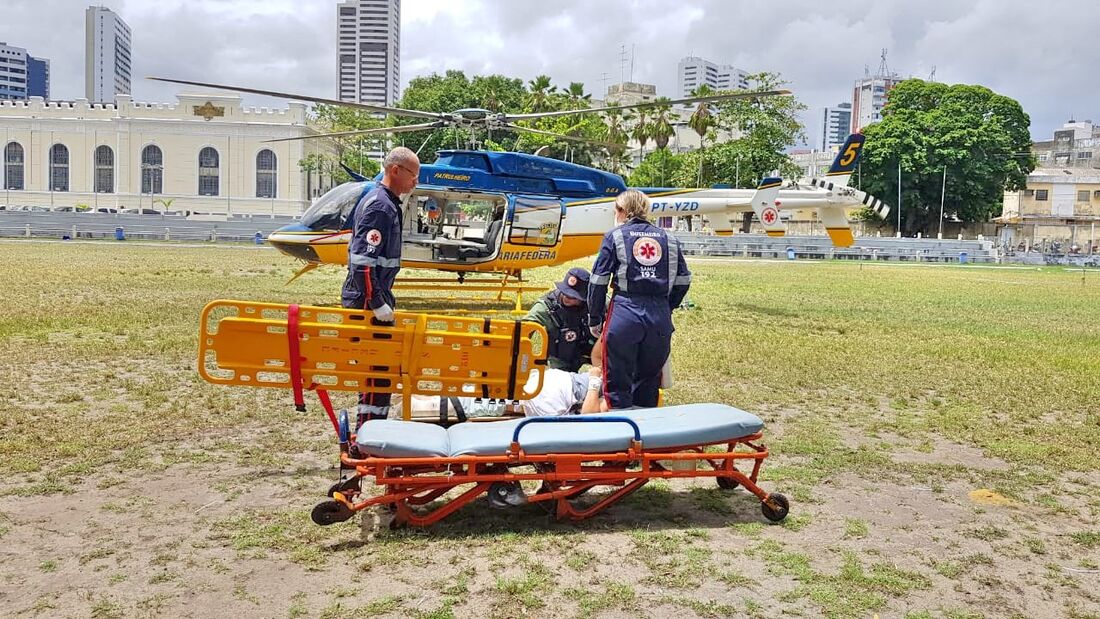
x=536 y=222
x=332 y=210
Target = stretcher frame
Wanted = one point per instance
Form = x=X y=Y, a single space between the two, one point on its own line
x=413 y=482
x=314 y=348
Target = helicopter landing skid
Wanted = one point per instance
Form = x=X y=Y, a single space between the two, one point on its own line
x=502 y=287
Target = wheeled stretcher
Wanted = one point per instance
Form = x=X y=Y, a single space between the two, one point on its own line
x=427 y=472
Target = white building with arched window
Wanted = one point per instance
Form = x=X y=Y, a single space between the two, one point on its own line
x=204 y=154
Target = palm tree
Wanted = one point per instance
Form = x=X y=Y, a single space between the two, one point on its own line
x=576 y=96
x=641 y=131
x=702 y=119
x=661 y=127
x=617 y=134
x=541 y=89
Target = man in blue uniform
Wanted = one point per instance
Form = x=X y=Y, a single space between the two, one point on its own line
x=649 y=278
x=564 y=313
x=374 y=257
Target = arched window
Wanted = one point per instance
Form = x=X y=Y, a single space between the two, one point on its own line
x=104 y=169
x=152 y=170
x=13 y=166
x=208 y=172
x=59 y=168
x=265 y=174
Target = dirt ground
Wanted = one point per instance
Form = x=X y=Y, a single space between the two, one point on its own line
x=130 y=488
x=195 y=538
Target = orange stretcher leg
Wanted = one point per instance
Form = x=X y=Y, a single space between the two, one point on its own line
x=418 y=481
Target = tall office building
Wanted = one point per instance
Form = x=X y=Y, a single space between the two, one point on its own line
x=869 y=95
x=38 y=77
x=694 y=72
x=368 y=53
x=835 y=123
x=106 y=55
x=22 y=75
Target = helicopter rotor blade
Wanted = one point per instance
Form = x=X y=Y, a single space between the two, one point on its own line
x=375 y=131
x=707 y=99
x=367 y=107
x=562 y=136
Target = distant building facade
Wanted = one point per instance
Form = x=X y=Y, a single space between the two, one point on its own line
x=38 y=77
x=630 y=93
x=694 y=72
x=1062 y=199
x=836 y=124
x=22 y=75
x=869 y=97
x=107 y=55
x=814 y=163
x=368 y=51
x=204 y=154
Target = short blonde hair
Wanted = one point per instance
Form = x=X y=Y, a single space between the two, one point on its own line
x=633 y=203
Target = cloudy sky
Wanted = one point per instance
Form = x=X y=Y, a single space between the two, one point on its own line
x=1036 y=52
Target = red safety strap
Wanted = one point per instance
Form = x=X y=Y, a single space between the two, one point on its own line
x=295 y=357
x=322 y=395
x=296 y=371
x=370 y=289
x=603 y=344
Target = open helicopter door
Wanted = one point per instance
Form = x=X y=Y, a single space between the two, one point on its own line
x=533 y=222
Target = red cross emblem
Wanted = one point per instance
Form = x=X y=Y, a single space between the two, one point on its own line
x=647 y=251
x=374 y=237
x=769 y=216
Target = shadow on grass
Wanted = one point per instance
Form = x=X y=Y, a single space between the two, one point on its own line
x=651 y=509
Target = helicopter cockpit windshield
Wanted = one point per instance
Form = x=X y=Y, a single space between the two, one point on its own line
x=331 y=210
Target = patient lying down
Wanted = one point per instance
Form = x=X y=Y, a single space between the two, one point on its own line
x=563 y=393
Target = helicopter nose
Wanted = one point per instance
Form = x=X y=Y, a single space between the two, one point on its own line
x=293 y=240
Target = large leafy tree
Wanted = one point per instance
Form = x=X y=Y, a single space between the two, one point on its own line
x=765 y=127
x=453 y=91
x=981 y=137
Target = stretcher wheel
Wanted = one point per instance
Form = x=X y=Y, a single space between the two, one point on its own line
x=780 y=509
x=344 y=486
x=330 y=512
x=727 y=483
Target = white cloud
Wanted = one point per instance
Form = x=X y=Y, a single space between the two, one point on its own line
x=1039 y=54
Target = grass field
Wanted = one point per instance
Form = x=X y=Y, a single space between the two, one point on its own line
x=936 y=428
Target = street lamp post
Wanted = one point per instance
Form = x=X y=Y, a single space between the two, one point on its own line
x=943 y=192
x=899 y=199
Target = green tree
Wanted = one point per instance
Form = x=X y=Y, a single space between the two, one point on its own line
x=540 y=91
x=577 y=98
x=981 y=137
x=657 y=169
x=661 y=127
x=642 y=130
x=701 y=122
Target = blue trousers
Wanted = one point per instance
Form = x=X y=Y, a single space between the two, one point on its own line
x=637 y=340
x=373 y=404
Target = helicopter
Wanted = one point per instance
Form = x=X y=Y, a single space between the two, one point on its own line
x=530 y=211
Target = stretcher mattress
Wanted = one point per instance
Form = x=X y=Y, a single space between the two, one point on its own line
x=661 y=428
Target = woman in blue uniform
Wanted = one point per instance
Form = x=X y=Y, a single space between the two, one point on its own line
x=649 y=278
